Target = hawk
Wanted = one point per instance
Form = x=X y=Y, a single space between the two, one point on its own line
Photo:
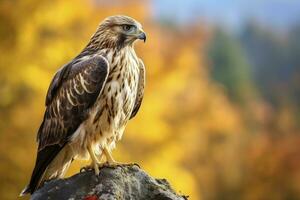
x=90 y=100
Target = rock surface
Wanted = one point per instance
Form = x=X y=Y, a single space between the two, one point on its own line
x=122 y=182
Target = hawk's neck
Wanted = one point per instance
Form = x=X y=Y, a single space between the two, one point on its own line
x=112 y=54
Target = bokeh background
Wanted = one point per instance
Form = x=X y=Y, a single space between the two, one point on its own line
x=220 y=117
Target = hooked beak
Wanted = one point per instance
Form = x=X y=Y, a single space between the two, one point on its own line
x=142 y=36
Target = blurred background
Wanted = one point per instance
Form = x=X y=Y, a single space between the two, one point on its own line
x=220 y=116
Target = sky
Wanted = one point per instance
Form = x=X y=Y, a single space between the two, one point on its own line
x=232 y=13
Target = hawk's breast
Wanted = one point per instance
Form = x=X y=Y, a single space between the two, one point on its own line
x=114 y=106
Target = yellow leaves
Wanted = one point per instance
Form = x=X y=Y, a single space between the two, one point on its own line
x=152 y=128
x=57 y=53
x=7 y=96
x=35 y=77
x=170 y=168
x=220 y=116
x=60 y=14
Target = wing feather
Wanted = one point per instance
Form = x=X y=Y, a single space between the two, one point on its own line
x=68 y=107
x=140 y=90
x=67 y=104
x=56 y=82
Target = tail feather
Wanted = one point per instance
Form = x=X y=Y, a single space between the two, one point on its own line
x=43 y=160
x=25 y=191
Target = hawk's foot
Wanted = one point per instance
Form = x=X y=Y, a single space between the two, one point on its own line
x=131 y=164
x=85 y=168
x=115 y=164
x=92 y=166
x=110 y=162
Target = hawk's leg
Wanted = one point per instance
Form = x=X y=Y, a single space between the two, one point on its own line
x=91 y=166
x=110 y=160
x=95 y=163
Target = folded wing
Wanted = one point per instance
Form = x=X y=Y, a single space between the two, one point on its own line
x=73 y=90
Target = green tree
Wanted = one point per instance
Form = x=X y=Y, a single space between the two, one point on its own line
x=229 y=65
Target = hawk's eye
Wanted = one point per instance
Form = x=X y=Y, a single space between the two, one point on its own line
x=127 y=27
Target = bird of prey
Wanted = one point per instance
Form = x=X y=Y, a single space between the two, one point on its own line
x=90 y=100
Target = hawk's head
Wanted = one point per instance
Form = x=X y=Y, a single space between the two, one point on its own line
x=118 y=31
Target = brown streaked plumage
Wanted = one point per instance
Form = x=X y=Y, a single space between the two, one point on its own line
x=90 y=101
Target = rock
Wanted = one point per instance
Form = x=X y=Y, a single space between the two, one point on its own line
x=121 y=182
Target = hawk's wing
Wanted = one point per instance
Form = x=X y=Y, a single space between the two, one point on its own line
x=140 y=89
x=73 y=90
